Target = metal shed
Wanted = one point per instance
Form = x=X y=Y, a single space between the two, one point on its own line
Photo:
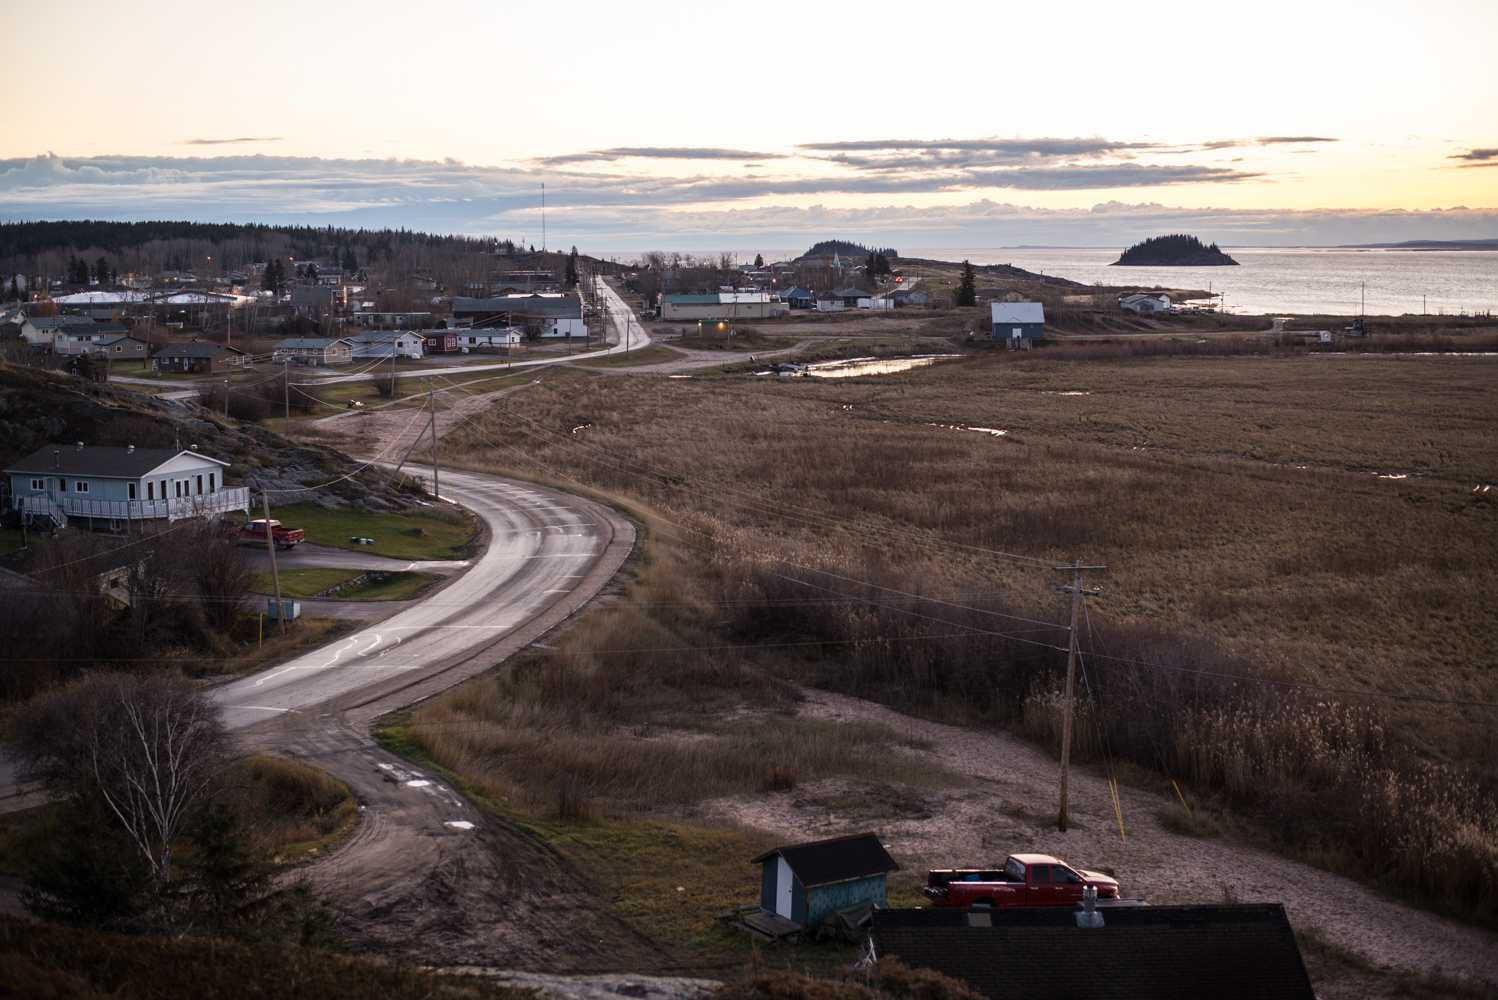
x=1018 y=320
x=802 y=883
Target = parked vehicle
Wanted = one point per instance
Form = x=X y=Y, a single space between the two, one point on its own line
x=284 y=537
x=1025 y=880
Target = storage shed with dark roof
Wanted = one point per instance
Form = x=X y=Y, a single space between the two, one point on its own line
x=804 y=882
x=1226 y=952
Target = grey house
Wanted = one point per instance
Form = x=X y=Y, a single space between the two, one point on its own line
x=114 y=487
x=1018 y=320
x=802 y=883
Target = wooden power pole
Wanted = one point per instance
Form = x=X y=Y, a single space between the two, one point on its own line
x=270 y=544
x=1077 y=593
x=436 y=485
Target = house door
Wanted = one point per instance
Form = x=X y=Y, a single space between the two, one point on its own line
x=1019 y=331
x=782 y=888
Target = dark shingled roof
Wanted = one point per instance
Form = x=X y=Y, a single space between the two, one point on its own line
x=837 y=860
x=1241 y=952
x=540 y=306
x=109 y=462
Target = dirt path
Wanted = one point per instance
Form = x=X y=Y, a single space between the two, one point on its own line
x=426 y=879
x=386 y=432
x=693 y=360
x=1009 y=804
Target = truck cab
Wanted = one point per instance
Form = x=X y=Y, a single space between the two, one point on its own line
x=1025 y=880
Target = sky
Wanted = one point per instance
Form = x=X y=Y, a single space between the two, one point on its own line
x=688 y=125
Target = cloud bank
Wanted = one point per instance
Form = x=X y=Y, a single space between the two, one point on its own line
x=605 y=209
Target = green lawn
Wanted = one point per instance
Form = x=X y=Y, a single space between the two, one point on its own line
x=398 y=586
x=304 y=582
x=392 y=535
x=10 y=540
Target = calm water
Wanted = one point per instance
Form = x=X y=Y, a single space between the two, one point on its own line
x=1277 y=280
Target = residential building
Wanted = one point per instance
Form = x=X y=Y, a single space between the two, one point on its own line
x=382 y=343
x=798 y=298
x=854 y=298
x=206 y=358
x=73 y=337
x=114 y=487
x=314 y=351
x=1145 y=304
x=558 y=315
x=723 y=306
x=829 y=302
x=802 y=883
x=1018 y=320
x=439 y=342
x=121 y=347
x=489 y=336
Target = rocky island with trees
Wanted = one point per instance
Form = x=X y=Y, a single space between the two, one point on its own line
x=1178 y=250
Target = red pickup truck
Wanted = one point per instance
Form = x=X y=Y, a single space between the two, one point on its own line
x=1025 y=880
x=285 y=538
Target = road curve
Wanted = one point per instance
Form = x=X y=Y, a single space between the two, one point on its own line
x=426 y=877
x=548 y=554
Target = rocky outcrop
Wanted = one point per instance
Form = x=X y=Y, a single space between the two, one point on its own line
x=1179 y=250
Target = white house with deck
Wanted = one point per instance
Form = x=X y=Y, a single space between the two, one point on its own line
x=110 y=486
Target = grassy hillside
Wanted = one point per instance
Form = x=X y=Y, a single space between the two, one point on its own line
x=1297 y=519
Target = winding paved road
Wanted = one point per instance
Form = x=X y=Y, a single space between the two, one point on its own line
x=426 y=877
x=548 y=554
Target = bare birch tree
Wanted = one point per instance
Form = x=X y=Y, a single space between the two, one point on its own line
x=149 y=746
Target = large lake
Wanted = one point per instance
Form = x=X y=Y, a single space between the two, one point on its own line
x=1273 y=281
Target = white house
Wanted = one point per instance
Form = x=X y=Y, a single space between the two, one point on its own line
x=379 y=343
x=1145 y=305
x=114 y=486
x=827 y=302
x=83 y=336
x=490 y=336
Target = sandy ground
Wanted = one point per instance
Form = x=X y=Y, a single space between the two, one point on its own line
x=385 y=433
x=1007 y=804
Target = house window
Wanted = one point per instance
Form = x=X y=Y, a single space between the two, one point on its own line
x=150 y=491
x=62 y=486
x=177 y=486
x=132 y=490
x=79 y=486
x=200 y=486
x=211 y=487
x=37 y=484
x=163 y=489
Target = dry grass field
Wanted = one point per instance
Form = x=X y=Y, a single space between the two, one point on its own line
x=1313 y=520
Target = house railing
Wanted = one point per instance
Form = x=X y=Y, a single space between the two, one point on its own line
x=172 y=509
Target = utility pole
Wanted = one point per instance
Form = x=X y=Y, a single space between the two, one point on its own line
x=1077 y=593
x=432 y=392
x=286 y=391
x=270 y=543
x=226 y=399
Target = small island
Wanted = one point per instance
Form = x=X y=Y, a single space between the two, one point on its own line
x=1173 y=251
